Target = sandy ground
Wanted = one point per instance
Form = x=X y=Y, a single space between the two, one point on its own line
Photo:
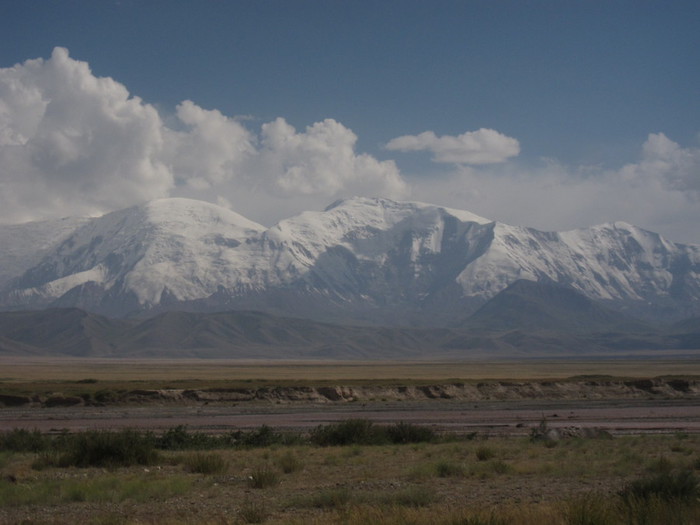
x=496 y=418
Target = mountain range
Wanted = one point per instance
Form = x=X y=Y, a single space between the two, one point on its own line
x=407 y=276
x=364 y=261
x=527 y=319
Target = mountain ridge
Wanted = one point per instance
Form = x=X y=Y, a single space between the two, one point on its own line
x=497 y=330
x=362 y=260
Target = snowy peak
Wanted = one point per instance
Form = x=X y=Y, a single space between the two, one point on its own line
x=193 y=216
x=23 y=245
x=360 y=260
x=143 y=250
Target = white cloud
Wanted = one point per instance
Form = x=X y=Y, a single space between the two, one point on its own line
x=663 y=158
x=211 y=151
x=652 y=193
x=322 y=161
x=484 y=146
x=71 y=143
x=75 y=144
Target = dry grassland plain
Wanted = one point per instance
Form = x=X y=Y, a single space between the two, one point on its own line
x=233 y=371
x=483 y=475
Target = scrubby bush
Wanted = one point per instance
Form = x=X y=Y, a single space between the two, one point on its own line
x=681 y=486
x=364 y=432
x=22 y=440
x=349 y=432
x=261 y=437
x=407 y=433
x=178 y=438
x=109 y=449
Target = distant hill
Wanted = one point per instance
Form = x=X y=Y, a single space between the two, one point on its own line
x=67 y=331
x=534 y=306
x=518 y=323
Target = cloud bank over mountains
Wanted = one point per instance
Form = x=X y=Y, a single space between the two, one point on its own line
x=72 y=143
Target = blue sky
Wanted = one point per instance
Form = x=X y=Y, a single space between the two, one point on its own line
x=591 y=107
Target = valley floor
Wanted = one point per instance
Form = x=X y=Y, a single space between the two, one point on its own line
x=484 y=468
x=470 y=480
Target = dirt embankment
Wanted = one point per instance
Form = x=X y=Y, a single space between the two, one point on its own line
x=658 y=388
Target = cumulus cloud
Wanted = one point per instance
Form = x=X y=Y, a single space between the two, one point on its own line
x=322 y=160
x=663 y=158
x=484 y=146
x=75 y=144
x=211 y=151
x=71 y=143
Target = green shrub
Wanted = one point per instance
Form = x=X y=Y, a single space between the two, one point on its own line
x=261 y=437
x=46 y=459
x=349 y=432
x=22 y=440
x=668 y=486
x=109 y=449
x=106 y=396
x=409 y=433
x=178 y=438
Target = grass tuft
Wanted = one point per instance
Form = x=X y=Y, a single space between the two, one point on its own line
x=484 y=453
x=253 y=512
x=446 y=469
x=262 y=477
x=201 y=463
x=289 y=462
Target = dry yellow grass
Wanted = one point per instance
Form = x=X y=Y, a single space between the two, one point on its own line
x=68 y=369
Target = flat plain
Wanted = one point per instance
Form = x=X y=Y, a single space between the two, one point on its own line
x=619 y=426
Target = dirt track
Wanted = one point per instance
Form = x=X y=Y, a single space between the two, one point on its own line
x=496 y=417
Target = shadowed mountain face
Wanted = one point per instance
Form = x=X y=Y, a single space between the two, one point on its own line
x=362 y=261
x=531 y=306
x=526 y=319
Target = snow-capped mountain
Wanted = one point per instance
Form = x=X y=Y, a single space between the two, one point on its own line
x=23 y=245
x=360 y=260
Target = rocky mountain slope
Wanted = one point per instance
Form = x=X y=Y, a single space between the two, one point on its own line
x=361 y=261
x=526 y=320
